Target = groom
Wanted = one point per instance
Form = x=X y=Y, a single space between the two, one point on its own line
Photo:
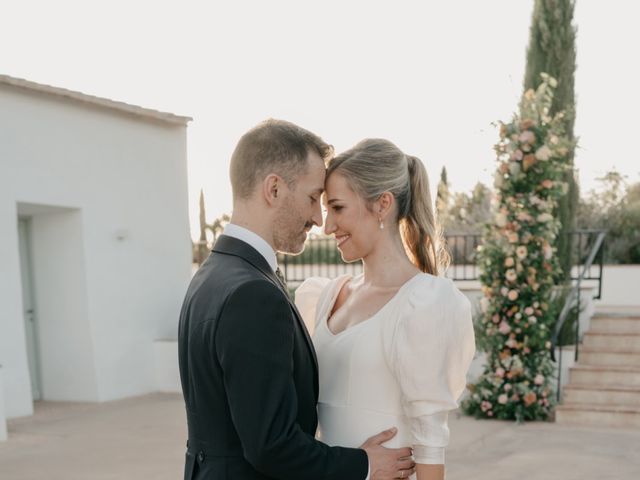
x=248 y=368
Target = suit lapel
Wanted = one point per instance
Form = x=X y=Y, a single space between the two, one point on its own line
x=233 y=246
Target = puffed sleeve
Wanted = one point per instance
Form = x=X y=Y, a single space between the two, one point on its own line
x=430 y=351
x=307 y=297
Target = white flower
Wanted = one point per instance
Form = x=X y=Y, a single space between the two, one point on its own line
x=539 y=380
x=543 y=153
x=511 y=275
x=532 y=320
x=544 y=217
x=514 y=169
x=511 y=343
x=484 y=304
x=521 y=252
x=502 y=399
x=501 y=220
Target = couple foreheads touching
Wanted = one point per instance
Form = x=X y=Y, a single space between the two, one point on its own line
x=353 y=380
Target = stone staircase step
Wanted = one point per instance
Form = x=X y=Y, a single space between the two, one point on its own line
x=604 y=357
x=598 y=375
x=602 y=395
x=630 y=311
x=620 y=342
x=615 y=325
x=601 y=415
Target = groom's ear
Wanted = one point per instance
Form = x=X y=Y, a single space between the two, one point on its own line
x=272 y=188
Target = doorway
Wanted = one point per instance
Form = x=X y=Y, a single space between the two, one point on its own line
x=29 y=310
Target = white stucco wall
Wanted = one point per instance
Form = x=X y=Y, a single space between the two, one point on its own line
x=3 y=421
x=620 y=286
x=106 y=192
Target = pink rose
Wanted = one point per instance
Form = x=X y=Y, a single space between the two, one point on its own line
x=504 y=328
x=517 y=155
x=512 y=295
x=527 y=137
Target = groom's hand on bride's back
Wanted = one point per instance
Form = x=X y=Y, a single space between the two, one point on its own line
x=387 y=463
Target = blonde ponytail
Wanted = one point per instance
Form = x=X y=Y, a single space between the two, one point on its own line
x=420 y=231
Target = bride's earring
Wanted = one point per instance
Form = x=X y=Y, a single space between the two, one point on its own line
x=381 y=224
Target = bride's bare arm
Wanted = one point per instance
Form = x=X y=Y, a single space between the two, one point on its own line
x=430 y=472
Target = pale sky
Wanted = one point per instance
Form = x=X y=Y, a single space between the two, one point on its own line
x=430 y=76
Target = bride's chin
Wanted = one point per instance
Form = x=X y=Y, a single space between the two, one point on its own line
x=347 y=258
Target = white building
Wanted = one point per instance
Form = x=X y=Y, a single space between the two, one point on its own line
x=94 y=244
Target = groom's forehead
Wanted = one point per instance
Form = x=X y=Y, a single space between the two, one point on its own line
x=315 y=174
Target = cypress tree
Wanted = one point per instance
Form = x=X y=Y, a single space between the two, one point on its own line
x=552 y=50
x=202 y=244
x=443 y=197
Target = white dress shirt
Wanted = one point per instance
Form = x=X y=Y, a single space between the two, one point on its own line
x=255 y=240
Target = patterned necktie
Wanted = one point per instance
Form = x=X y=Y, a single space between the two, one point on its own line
x=280 y=276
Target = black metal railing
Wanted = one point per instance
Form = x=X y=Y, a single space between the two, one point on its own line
x=322 y=258
x=463 y=249
x=573 y=299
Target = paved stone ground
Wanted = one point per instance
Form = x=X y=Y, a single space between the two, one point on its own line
x=143 y=438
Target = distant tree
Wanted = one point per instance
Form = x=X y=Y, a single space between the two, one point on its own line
x=443 y=199
x=201 y=249
x=218 y=225
x=552 y=50
x=469 y=212
x=614 y=206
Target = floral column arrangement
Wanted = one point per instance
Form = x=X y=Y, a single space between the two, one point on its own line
x=518 y=265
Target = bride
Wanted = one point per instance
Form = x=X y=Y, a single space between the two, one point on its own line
x=394 y=344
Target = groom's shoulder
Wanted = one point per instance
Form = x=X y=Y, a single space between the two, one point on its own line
x=221 y=275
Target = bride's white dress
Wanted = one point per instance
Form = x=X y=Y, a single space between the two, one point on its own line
x=405 y=366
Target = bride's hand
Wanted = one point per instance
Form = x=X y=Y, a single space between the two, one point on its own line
x=388 y=463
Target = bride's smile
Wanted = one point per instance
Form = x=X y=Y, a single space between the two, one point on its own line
x=341 y=239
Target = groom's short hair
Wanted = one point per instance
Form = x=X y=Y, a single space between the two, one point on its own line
x=273 y=146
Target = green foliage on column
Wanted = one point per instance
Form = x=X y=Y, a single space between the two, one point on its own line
x=518 y=265
x=552 y=50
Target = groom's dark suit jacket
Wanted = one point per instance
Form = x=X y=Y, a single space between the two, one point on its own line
x=250 y=377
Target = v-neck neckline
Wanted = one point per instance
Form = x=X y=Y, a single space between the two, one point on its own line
x=334 y=298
